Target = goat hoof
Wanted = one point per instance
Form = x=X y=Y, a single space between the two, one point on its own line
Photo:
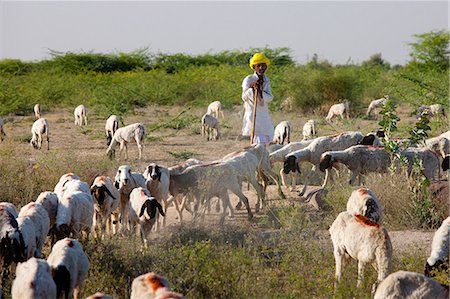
x=238 y=206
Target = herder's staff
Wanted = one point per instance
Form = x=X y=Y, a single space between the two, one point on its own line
x=256 y=93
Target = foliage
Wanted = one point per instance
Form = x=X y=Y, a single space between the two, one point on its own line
x=431 y=50
x=388 y=122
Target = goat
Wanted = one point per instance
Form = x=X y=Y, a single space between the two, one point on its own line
x=287 y=104
x=215 y=108
x=210 y=127
x=125 y=135
x=111 y=126
x=355 y=236
x=376 y=104
x=40 y=225
x=33 y=280
x=339 y=110
x=38 y=130
x=429 y=159
x=70 y=266
x=282 y=132
x=364 y=202
x=152 y=285
x=143 y=210
x=80 y=113
x=49 y=200
x=309 y=129
x=404 y=284
x=37 y=111
x=438 y=259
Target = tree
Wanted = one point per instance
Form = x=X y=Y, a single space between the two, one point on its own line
x=376 y=60
x=431 y=50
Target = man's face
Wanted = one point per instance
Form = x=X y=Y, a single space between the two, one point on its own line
x=260 y=68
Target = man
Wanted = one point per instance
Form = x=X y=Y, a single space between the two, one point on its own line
x=257 y=82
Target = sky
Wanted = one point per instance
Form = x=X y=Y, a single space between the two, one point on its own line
x=338 y=31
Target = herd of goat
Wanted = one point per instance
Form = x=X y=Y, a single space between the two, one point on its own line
x=138 y=202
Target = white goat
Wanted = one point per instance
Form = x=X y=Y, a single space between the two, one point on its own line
x=80 y=113
x=440 y=145
x=106 y=202
x=143 y=210
x=152 y=286
x=70 y=266
x=37 y=111
x=313 y=152
x=10 y=207
x=38 y=130
x=404 y=284
x=339 y=110
x=69 y=182
x=2 y=130
x=215 y=108
x=364 y=202
x=439 y=256
x=359 y=159
x=310 y=129
x=134 y=132
x=376 y=104
x=111 y=126
x=363 y=240
x=33 y=280
x=125 y=181
x=435 y=110
x=210 y=127
x=282 y=132
x=49 y=200
x=40 y=224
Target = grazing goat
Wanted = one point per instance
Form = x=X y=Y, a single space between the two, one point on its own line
x=2 y=130
x=40 y=225
x=70 y=266
x=435 y=110
x=438 y=260
x=282 y=133
x=152 y=286
x=309 y=129
x=106 y=202
x=38 y=130
x=125 y=135
x=364 y=202
x=125 y=181
x=111 y=126
x=80 y=113
x=49 y=200
x=339 y=110
x=314 y=151
x=215 y=108
x=210 y=127
x=429 y=159
x=356 y=237
x=376 y=104
x=404 y=284
x=37 y=111
x=359 y=159
x=70 y=182
x=33 y=280
x=143 y=210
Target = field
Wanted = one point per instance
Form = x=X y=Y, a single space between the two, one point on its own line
x=284 y=252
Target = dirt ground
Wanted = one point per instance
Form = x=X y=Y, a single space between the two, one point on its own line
x=168 y=147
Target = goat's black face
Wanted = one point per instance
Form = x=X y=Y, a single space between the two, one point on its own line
x=325 y=162
x=446 y=163
x=367 y=140
x=155 y=172
x=99 y=194
x=380 y=133
x=371 y=210
x=290 y=164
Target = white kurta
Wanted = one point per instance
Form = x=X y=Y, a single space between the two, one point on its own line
x=264 y=125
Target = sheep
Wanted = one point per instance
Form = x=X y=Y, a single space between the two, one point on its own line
x=49 y=200
x=37 y=111
x=10 y=207
x=355 y=236
x=310 y=129
x=210 y=127
x=429 y=158
x=158 y=180
x=111 y=126
x=438 y=259
x=2 y=130
x=33 y=280
x=207 y=181
x=282 y=132
x=376 y=104
x=125 y=135
x=214 y=109
x=339 y=110
x=152 y=285
x=74 y=216
x=70 y=182
x=125 y=181
x=363 y=201
x=439 y=144
x=359 y=159
x=80 y=113
x=70 y=266
x=313 y=152
x=435 y=110
x=40 y=224
x=106 y=202
x=38 y=130
x=143 y=210
x=404 y=284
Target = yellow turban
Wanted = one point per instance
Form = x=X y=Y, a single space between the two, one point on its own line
x=259 y=58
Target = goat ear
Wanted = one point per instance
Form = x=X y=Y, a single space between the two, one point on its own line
x=144 y=206
x=116 y=184
x=104 y=188
x=160 y=208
